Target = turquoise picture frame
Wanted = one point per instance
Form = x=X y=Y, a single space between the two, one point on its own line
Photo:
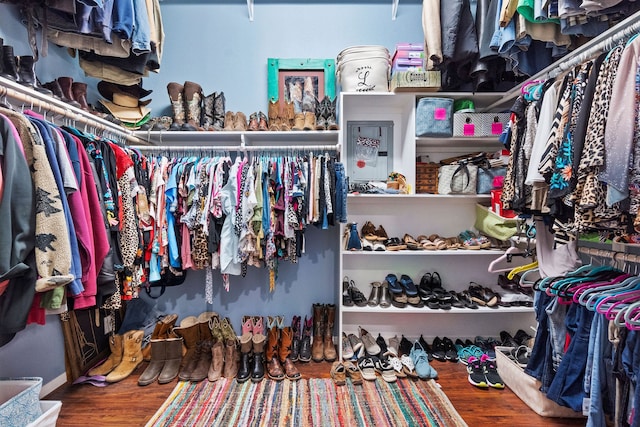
x=324 y=67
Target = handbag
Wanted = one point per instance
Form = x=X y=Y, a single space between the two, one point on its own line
x=457 y=179
x=486 y=176
x=167 y=278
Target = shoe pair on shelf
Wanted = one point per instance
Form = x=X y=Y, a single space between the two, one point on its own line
x=403 y=291
x=474 y=241
x=351 y=295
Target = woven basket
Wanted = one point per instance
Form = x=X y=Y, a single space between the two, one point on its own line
x=427 y=178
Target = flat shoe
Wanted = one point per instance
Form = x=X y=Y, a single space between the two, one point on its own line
x=338 y=373
x=353 y=372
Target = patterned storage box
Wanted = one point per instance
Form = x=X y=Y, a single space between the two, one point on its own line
x=479 y=124
x=434 y=117
x=50 y=411
x=19 y=401
x=427 y=178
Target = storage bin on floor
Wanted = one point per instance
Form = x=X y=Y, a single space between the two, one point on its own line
x=19 y=401
x=527 y=388
x=50 y=411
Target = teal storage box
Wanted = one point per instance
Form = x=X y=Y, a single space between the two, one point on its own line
x=19 y=401
x=434 y=117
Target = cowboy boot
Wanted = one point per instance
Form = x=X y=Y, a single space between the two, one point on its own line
x=79 y=91
x=309 y=121
x=246 y=356
x=176 y=96
x=114 y=359
x=305 y=344
x=263 y=124
x=284 y=352
x=321 y=123
x=217 y=361
x=308 y=97
x=274 y=369
x=330 y=117
x=317 y=348
x=10 y=67
x=298 y=122
x=257 y=371
x=240 y=122
x=207 y=111
x=253 y=122
x=219 y=112
x=193 y=103
x=230 y=340
x=229 y=121
x=274 y=115
x=173 y=358
x=131 y=356
x=204 y=353
x=296 y=338
x=288 y=116
x=329 y=348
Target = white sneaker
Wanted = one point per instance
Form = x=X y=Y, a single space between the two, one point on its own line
x=356 y=345
x=393 y=346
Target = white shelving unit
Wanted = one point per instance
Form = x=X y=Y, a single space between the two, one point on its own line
x=420 y=214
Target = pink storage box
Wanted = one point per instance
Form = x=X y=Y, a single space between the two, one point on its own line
x=410 y=46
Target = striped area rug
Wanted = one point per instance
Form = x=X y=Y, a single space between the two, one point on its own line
x=312 y=402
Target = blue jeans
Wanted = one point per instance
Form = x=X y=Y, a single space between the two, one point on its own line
x=631 y=364
x=566 y=389
x=340 y=209
x=599 y=384
x=557 y=331
x=540 y=366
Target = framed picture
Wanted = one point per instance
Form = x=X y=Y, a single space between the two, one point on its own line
x=300 y=81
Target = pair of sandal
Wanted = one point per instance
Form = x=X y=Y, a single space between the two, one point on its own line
x=351 y=295
x=403 y=291
x=473 y=241
x=370 y=233
x=432 y=294
x=483 y=296
x=374 y=246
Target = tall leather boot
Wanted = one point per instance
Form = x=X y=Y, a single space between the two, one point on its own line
x=321 y=122
x=257 y=371
x=240 y=121
x=193 y=106
x=176 y=96
x=229 y=121
x=27 y=75
x=10 y=66
x=317 y=348
x=131 y=356
x=79 y=91
x=173 y=358
x=203 y=352
x=207 y=111
x=158 y=356
x=296 y=331
x=219 y=105
x=305 y=344
x=298 y=121
x=189 y=330
x=274 y=369
x=288 y=116
x=114 y=359
x=160 y=331
x=329 y=348
x=67 y=95
x=246 y=358
x=230 y=340
x=284 y=353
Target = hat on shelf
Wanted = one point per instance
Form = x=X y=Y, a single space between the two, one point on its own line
x=126 y=108
x=108 y=89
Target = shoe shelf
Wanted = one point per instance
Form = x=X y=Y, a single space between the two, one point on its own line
x=415 y=215
x=240 y=138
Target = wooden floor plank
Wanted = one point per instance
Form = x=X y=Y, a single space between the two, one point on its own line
x=127 y=404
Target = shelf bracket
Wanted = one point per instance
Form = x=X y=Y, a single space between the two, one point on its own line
x=250 y=9
x=394 y=9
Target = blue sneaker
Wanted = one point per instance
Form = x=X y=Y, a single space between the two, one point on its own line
x=421 y=362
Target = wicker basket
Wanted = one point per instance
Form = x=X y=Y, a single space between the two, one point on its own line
x=427 y=177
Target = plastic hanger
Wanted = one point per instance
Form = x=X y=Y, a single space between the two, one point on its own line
x=521 y=268
x=495 y=267
x=591 y=298
x=609 y=305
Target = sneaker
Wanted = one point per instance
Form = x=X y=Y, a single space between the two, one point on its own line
x=369 y=343
x=356 y=345
x=450 y=352
x=425 y=345
x=419 y=357
x=467 y=352
x=385 y=369
x=476 y=373
x=347 y=350
x=384 y=350
x=491 y=372
x=394 y=346
x=405 y=346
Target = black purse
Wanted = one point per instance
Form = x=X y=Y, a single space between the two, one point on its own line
x=169 y=277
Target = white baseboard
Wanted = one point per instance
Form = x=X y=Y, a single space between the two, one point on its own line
x=52 y=385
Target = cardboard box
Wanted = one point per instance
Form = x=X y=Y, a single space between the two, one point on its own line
x=527 y=388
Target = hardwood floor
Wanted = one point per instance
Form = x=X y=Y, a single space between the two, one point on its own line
x=127 y=404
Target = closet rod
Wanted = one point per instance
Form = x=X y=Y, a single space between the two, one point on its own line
x=157 y=148
x=601 y=43
x=29 y=97
x=615 y=256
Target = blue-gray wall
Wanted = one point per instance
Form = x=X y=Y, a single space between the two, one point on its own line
x=215 y=44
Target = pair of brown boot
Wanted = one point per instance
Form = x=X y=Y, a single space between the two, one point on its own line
x=126 y=355
x=224 y=350
x=164 y=353
x=278 y=352
x=322 y=347
x=73 y=93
